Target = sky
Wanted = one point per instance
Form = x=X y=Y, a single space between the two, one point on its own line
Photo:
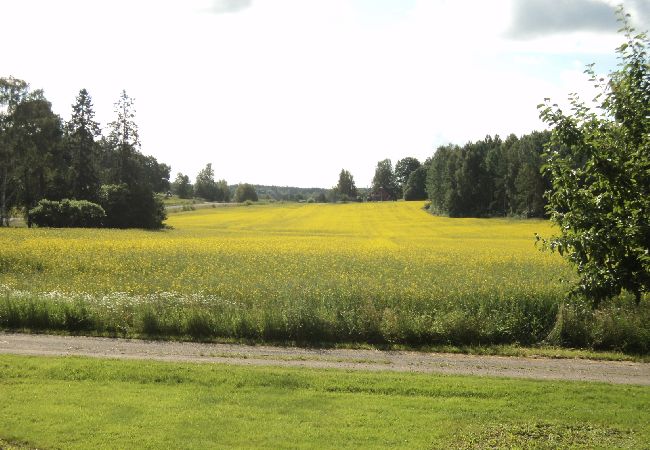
x=289 y=92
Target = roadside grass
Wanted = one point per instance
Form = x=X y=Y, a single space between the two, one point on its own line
x=88 y=403
x=175 y=200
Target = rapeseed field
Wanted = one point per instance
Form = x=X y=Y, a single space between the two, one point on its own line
x=374 y=272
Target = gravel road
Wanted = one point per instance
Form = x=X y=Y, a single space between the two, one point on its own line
x=372 y=360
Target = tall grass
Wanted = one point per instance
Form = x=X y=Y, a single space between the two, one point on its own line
x=527 y=321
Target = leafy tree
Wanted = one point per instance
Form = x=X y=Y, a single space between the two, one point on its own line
x=600 y=174
x=245 y=192
x=441 y=178
x=384 y=183
x=12 y=93
x=155 y=173
x=42 y=167
x=182 y=186
x=489 y=177
x=346 y=185
x=80 y=134
x=415 y=188
x=223 y=191
x=205 y=186
x=403 y=169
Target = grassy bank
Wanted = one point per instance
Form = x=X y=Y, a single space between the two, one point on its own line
x=384 y=273
x=85 y=403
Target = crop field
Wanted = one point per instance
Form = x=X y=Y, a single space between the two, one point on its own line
x=386 y=273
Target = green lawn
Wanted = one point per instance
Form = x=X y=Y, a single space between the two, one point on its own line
x=87 y=403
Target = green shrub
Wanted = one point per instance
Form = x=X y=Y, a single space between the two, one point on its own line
x=132 y=207
x=66 y=213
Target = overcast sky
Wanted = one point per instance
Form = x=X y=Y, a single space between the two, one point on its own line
x=289 y=92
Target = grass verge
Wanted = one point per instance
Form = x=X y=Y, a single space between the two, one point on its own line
x=86 y=403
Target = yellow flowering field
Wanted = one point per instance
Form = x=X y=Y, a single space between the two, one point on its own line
x=385 y=272
x=244 y=251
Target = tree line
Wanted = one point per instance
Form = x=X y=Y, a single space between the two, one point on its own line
x=211 y=190
x=488 y=177
x=43 y=157
x=46 y=159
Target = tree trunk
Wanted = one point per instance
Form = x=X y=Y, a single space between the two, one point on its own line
x=4 y=220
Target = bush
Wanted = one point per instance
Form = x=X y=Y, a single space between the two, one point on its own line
x=134 y=207
x=66 y=213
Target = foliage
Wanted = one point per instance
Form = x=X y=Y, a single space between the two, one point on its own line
x=415 y=188
x=205 y=186
x=346 y=186
x=245 y=192
x=600 y=172
x=208 y=189
x=288 y=193
x=12 y=92
x=182 y=186
x=66 y=213
x=155 y=174
x=80 y=134
x=384 y=183
x=130 y=201
x=321 y=198
x=43 y=158
x=223 y=191
x=124 y=141
x=135 y=207
x=36 y=137
x=489 y=177
x=403 y=170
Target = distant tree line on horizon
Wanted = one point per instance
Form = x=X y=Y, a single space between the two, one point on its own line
x=487 y=178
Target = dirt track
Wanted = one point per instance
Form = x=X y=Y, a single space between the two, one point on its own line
x=373 y=360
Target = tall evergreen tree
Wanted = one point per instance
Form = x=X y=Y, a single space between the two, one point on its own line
x=125 y=141
x=80 y=134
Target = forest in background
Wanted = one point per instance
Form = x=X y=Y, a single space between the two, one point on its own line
x=45 y=160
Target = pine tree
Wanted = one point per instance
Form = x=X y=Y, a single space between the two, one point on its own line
x=81 y=132
x=125 y=140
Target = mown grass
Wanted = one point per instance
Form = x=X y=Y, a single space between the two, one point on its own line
x=87 y=403
x=382 y=273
